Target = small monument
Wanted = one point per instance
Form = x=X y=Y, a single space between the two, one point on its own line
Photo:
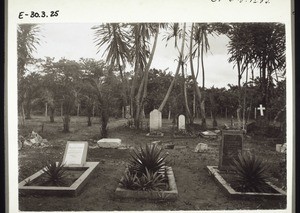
x=231 y=145
x=181 y=122
x=155 y=124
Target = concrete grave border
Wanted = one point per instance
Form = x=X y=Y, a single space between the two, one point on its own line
x=171 y=194
x=225 y=186
x=72 y=190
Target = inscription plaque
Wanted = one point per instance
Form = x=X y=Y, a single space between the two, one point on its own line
x=231 y=145
x=75 y=153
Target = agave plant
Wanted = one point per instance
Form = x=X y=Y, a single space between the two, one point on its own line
x=150 y=181
x=129 y=181
x=149 y=158
x=55 y=173
x=251 y=173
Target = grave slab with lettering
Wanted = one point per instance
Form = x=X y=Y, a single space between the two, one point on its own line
x=75 y=153
x=231 y=145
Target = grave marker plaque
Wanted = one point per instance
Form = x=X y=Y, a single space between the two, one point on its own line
x=231 y=145
x=75 y=153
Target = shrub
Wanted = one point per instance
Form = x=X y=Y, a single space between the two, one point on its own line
x=150 y=158
x=146 y=170
x=250 y=173
x=148 y=181
x=55 y=173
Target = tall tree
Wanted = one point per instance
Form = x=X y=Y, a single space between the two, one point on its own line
x=116 y=38
x=175 y=33
x=27 y=39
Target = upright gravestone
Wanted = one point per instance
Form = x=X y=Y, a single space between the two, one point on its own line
x=127 y=112
x=155 y=120
x=181 y=122
x=231 y=145
x=75 y=154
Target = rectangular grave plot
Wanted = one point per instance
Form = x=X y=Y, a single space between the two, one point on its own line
x=231 y=146
x=72 y=190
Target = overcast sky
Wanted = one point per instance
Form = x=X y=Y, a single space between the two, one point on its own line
x=75 y=41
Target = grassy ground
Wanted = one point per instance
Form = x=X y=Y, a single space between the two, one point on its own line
x=197 y=190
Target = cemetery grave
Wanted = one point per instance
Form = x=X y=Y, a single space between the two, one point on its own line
x=233 y=180
x=182 y=130
x=196 y=189
x=75 y=173
x=155 y=121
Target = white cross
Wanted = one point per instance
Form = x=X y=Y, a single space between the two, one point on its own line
x=261 y=109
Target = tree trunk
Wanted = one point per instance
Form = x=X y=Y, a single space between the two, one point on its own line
x=78 y=109
x=46 y=110
x=162 y=105
x=198 y=92
x=187 y=109
x=103 y=125
x=66 y=120
x=28 y=110
x=144 y=83
x=52 y=109
x=89 y=122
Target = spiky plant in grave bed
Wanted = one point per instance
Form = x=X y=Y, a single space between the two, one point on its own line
x=149 y=181
x=55 y=173
x=150 y=157
x=251 y=173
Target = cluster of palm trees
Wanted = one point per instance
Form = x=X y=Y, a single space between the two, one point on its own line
x=132 y=46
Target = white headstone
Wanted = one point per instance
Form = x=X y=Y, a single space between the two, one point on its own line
x=75 y=153
x=181 y=122
x=155 y=120
x=109 y=143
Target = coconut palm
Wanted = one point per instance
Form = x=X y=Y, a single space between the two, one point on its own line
x=176 y=33
x=28 y=38
x=115 y=38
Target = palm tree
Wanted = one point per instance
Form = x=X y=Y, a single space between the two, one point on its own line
x=176 y=32
x=142 y=91
x=27 y=39
x=117 y=39
x=26 y=44
x=198 y=92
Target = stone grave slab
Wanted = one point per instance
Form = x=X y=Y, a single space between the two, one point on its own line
x=208 y=134
x=75 y=154
x=231 y=145
x=109 y=143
